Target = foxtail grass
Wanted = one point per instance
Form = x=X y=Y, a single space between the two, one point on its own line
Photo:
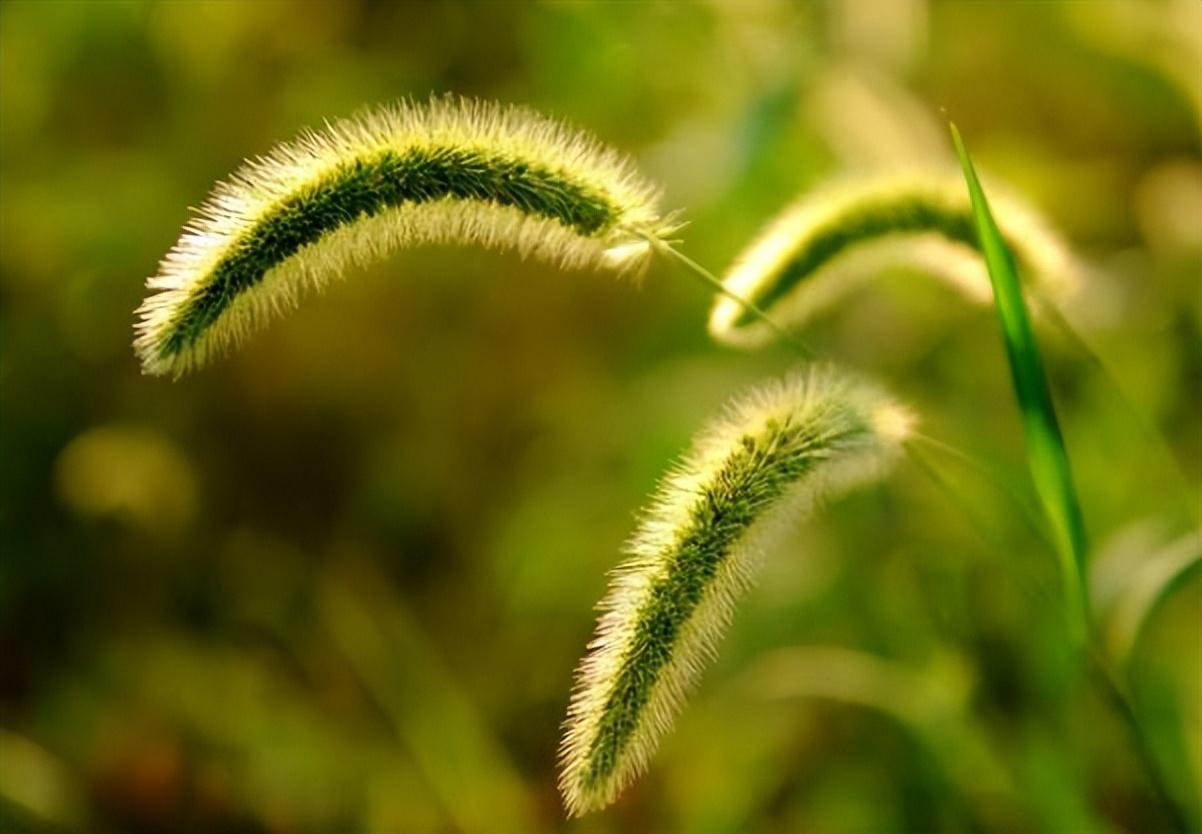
x=822 y=246
x=748 y=475
x=449 y=170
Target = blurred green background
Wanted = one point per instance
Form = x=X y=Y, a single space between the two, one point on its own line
x=340 y=580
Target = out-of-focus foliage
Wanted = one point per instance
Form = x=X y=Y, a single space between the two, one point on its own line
x=339 y=581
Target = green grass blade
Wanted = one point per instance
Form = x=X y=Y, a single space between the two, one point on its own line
x=1046 y=454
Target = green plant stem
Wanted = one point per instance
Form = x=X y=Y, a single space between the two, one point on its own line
x=1172 y=464
x=1118 y=696
x=1029 y=513
x=954 y=497
x=716 y=284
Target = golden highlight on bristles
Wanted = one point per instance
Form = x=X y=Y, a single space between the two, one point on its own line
x=833 y=239
x=749 y=475
x=450 y=170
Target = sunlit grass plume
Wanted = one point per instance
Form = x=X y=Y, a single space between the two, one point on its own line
x=449 y=170
x=763 y=464
x=833 y=238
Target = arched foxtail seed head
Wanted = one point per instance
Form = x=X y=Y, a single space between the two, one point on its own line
x=776 y=451
x=830 y=240
x=450 y=170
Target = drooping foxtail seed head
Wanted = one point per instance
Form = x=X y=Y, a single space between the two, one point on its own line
x=448 y=171
x=818 y=249
x=766 y=462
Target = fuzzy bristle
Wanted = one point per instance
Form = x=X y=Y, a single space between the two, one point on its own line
x=824 y=244
x=761 y=466
x=447 y=171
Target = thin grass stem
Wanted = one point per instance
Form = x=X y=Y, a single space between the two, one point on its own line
x=1120 y=698
x=1064 y=327
x=716 y=284
x=1026 y=511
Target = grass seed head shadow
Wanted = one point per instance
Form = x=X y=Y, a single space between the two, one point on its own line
x=450 y=170
x=762 y=465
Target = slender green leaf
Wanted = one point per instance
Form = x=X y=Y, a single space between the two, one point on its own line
x=1046 y=454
